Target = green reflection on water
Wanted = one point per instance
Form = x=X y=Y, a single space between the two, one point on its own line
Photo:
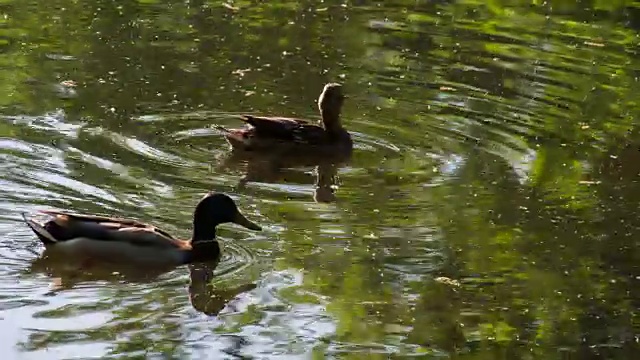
x=496 y=148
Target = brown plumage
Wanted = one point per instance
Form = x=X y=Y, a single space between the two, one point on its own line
x=287 y=135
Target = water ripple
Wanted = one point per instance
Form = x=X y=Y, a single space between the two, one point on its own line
x=439 y=92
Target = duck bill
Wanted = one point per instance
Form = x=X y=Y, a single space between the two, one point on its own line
x=243 y=221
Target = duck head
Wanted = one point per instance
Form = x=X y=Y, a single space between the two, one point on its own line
x=330 y=104
x=215 y=209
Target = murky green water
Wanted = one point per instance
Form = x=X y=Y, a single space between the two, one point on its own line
x=490 y=210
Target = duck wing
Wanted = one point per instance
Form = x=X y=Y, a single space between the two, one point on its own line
x=286 y=129
x=63 y=226
x=267 y=121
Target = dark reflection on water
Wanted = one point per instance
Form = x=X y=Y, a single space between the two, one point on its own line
x=489 y=209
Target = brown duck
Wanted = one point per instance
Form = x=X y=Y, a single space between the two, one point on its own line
x=295 y=136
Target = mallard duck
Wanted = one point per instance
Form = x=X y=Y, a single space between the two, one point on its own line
x=94 y=237
x=288 y=135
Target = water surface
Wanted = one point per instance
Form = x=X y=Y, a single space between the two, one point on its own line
x=489 y=210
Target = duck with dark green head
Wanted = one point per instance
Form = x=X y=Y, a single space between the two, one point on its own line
x=95 y=237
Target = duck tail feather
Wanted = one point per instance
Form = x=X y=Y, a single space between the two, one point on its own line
x=222 y=129
x=42 y=233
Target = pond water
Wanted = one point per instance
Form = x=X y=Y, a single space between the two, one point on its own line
x=489 y=211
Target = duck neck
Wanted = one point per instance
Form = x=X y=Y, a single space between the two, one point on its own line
x=203 y=251
x=203 y=244
x=331 y=120
x=203 y=233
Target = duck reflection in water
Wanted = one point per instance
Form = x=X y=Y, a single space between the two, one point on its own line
x=270 y=169
x=203 y=295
